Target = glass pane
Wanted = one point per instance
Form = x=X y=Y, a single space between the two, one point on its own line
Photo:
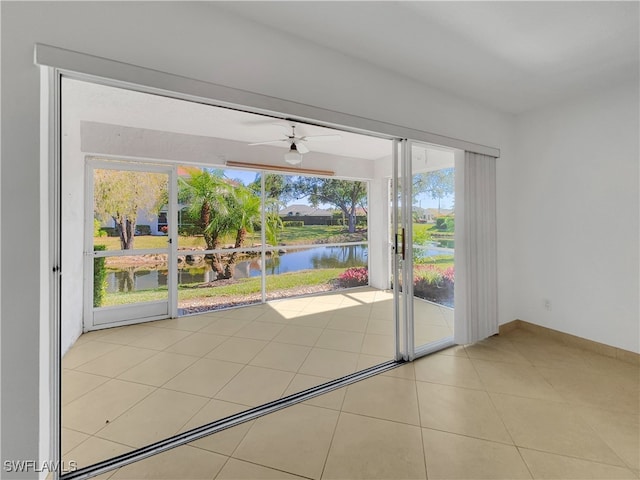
x=315 y=210
x=294 y=272
x=218 y=208
x=201 y=288
x=433 y=217
x=130 y=209
x=130 y=279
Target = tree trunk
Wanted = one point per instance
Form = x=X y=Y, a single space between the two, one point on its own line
x=205 y=220
x=216 y=259
x=352 y=221
x=240 y=238
x=216 y=264
x=126 y=231
x=126 y=280
x=241 y=235
x=131 y=231
x=229 y=269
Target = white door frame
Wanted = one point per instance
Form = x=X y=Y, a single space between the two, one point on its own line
x=403 y=251
x=95 y=318
x=402 y=223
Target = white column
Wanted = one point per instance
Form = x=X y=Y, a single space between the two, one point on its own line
x=379 y=255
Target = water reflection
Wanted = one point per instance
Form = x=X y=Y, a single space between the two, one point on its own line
x=136 y=278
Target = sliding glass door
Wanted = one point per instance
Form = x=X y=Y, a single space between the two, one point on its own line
x=423 y=219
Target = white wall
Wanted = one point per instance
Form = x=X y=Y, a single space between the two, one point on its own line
x=576 y=176
x=194 y=40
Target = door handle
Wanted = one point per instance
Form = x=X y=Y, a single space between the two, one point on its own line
x=403 y=244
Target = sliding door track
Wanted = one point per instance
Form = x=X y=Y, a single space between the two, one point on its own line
x=224 y=423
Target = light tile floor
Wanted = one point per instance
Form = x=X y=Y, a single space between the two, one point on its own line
x=138 y=384
x=514 y=406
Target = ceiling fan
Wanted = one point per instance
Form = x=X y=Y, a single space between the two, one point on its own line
x=296 y=144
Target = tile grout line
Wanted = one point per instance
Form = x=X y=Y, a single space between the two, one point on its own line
x=466 y=435
x=424 y=450
x=167 y=389
x=495 y=408
x=333 y=436
x=614 y=450
x=117 y=346
x=524 y=461
x=88 y=391
x=565 y=402
x=588 y=460
x=270 y=468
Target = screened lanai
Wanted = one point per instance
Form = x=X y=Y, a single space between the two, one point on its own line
x=241 y=276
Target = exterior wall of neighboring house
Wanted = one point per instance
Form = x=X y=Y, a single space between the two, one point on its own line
x=154 y=224
x=317 y=216
x=429 y=215
x=307 y=214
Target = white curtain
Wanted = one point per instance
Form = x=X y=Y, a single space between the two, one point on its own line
x=476 y=292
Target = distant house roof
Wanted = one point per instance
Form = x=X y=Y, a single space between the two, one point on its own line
x=361 y=211
x=187 y=171
x=304 y=210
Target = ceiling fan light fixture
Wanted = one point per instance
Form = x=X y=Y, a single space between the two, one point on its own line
x=293 y=157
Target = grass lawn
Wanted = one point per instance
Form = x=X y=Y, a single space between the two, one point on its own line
x=289 y=236
x=426 y=232
x=148 y=241
x=442 y=261
x=313 y=233
x=244 y=286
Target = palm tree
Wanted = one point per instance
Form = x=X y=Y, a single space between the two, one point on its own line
x=208 y=195
x=274 y=225
x=244 y=213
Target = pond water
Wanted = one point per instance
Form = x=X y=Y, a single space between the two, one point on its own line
x=291 y=261
x=431 y=251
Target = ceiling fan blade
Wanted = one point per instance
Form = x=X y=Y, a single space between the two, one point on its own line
x=333 y=137
x=301 y=147
x=269 y=142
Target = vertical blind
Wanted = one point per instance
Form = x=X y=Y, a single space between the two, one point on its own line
x=476 y=296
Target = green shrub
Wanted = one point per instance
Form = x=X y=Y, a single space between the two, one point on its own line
x=143 y=229
x=445 y=223
x=189 y=230
x=293 y=223
x=421 y=234
x=450 y=222
x=99 y=277
x=108 y=232
x=96 y=227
